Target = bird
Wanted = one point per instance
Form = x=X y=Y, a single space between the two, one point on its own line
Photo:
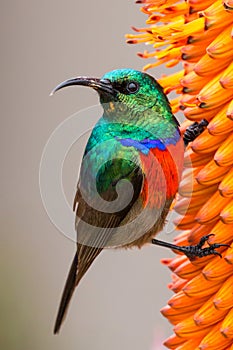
x=129 y=174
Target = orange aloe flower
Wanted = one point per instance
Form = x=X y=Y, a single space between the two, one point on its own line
x=199 y=33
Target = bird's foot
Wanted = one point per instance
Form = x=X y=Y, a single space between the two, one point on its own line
x=193 y=251
x=194 y=130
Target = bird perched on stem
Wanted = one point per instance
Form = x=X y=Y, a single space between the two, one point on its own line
x=129 y=174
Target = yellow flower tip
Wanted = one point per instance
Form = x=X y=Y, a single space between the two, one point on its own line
x=187 y=270
x=211 y=210
x=215 y=339
x=227 y=326
x=228 y=4
x=197 y=232
x=192 y=83
x=206 y=143
x=153 y=19
x=217 y=303
x=230 y=110
x=229 y=255
x=184 y=223
x=135 y=29
x=182 y=301
x=187 y=207
x=226 y=214
x=181 y=237
x=226 y=332
x=221 y=231
x=141 y=1
x=196 y=113
x=173 y=263
x=226 y=79
x=216 y=15
x=187 y=104
x=200 y=287
x=172 y=63
x=217 y=270
x=226 y=186
x=224 y=305
x=190 y=344
x=221 y=47
x=189 y=330
x=226 y=82
x=166 y=261
x=207 y=66
x=147 y=66
x=212 y=174
x=222 y=301
x=224 y=154
x=174 y=315
x=220 y=126
x=213 y=95
x=142 y=54
x=208 y=314
x=177 y=284
x=173 y=342
x=132 y=41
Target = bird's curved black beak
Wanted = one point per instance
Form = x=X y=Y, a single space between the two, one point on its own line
x=101 y=85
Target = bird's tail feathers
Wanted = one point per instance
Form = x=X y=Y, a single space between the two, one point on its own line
x=82 y=261
x=67 y=294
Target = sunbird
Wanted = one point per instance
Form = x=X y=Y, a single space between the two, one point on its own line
x=129 y=174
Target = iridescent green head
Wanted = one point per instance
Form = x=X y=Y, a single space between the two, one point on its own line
x=134 y=89
x=126 y=93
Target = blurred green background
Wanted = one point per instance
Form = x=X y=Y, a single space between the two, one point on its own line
x=117 y=304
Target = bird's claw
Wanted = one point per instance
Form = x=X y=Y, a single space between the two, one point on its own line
x=197 y=250
x=193 y=251
x=194 y=130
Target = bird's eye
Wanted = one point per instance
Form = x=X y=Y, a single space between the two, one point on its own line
x=132 y=87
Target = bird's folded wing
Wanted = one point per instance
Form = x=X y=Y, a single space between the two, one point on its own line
x=96 y=226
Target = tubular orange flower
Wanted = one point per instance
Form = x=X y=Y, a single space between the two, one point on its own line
x=199 y=34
